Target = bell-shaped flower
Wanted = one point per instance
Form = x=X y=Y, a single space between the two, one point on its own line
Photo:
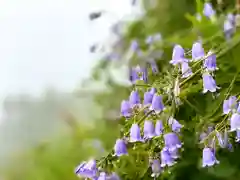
x=135 y=133
x=229 y=104
x=222 y=139
x=238 y=136
x=231 y=18
x=147 y=99
x=87 y=169
x=209 y=84
x=208 y=157
x=171 y=141
x=175 y=125
x=156 y=168
x=120 y=147
x=134 y=46
x=153 y=91
x=126 y=108
x=210 y=62
x=159 y=128
x=157 y=104
x=208 y=10
x=134 y=99
x=197 y=51
x=177 y=55
x=166 y=159
x=133 y=75
x=186 y=70
x=174 y=154
x=228 y=29
x=149 y=129
x=235 y=122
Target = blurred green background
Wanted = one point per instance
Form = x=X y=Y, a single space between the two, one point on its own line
x=74 y=122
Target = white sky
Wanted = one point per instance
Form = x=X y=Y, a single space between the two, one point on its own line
x=46 y=42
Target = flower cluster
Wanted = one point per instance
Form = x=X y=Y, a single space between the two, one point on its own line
x=149 y=115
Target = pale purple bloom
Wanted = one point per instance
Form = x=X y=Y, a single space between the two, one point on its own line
x=147 y=100
x=102 y=176
x=172 y=142
x=208 y=158
x=228 y=29
x=142 y=73
x=135 y=133
x=157 y=104
x=120 y=148
x=229 y=104
x=197 y=51
x=87 y=169
x=222 y=139
x=153 y=91
x=149 y=129
x=133 y=75
x=238 y=136
x=166 y=159
x=209 y=83
x=113 y=176
x=177 y=55
x=134 y=99
x=210 y=62
x=235 y=122
x=231 y=18
x=174 y=154
x=134 y=45
x=156 y=168
x=126 y=108
x=238 y=107
x=208 y=10
x=175 y=125
x=159 y=128
x=186 y=70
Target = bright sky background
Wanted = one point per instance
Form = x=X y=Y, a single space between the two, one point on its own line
x=46 y=42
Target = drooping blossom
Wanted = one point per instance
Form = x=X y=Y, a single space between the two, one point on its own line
x=229 y=104
x=87 y=169
x=149 y=129
x=133 y=75
x=159 y=128
x=147 y=99
x=235 y=122
x=231 y=18
x=153 y=90
x=157 y=104
x=228 y=29
x=209 y=83
x=166 y=159
x=174 y=154
x=208 y=157
x=186 y=70
x=210 y=62
x=175 y=125
x=197 y=51
x=171 y=141
x=126 y=108
x=177 y=55
x=208 y=10
x=120 y=148
x=156 y=168
x=135 y=133
x=134 y=99
x=222 y=139
x=134 y=46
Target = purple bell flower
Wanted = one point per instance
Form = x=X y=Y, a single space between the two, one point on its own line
x=210 y=62
x=120 y=148
x=172 y=142
x=135 y=133
x=186 y=70
x=209 y=83
x=134 y=99
x=113 y=176
x=178 y=55
x=87 y=169
x=229 y=104
x=208 y=158
x=134 y=77
x=134 y=46
x=235 y=122
x=153 y=91
x=222 y=139
x=149 y=129
x=238 y=136
x=174 y=154
x=208 y=10
x=166 y=159
x=126 y=108
x=228 y=29
x=231 y=18
x=102 y=176
x=175 y=125
x=156 y=168
x=147 y=100
x=159 y=128
x=197 y=51
x=157 y=104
